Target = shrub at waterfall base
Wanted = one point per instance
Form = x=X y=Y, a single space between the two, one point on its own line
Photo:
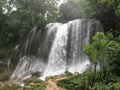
x=33 y=83
x=35 y=86
x=82 y=82
x=97 y=53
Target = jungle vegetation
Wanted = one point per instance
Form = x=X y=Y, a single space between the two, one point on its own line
x=18 y=17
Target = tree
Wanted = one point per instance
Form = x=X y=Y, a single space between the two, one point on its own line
x=20 y=16
x=113 y=6
x=112 y=3
x=114 y=55
x=69 y=11
x=37 y=11
x=97 y=52
x=74 y=9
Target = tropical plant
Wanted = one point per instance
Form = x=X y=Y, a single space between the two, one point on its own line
x=97 y=52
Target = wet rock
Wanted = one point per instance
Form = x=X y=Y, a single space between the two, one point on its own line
x=32 y=80
x=36 y=74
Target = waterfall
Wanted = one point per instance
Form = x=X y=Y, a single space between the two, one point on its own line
x=58 y=49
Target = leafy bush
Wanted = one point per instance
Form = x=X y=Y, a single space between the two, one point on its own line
x=35 y=86
x=83 y=81
x=99 y=86
x=68 y=73
x=115 y=86
x=50 y=77
x=34 y=83
x=104 y=86
x=79 y=82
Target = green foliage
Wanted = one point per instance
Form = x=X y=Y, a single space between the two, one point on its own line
x=112 y=9
x=97 y=52
x=112 y=3
x=74 y=9
x=103 y=86
x=82 y=82
x=33 y=83
x=97 y=48
x=50 y=77
x=41 y=86
x=114 y=55
x=35 y=86
x=118 y=10
x=37 y=11
x=79 y=82
x=15 y=24
x=72 y=83
x=105 y=52
x=68 y=73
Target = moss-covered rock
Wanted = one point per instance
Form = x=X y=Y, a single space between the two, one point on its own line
x=36 y=74
x=34 y=83
x=32 y=80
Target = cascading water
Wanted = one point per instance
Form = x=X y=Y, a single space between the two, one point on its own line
x=58 y=49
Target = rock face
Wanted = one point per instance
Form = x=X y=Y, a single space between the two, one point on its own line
x=58 y=49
